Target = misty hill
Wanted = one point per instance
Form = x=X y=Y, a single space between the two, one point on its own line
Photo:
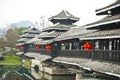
x=22 y=24
x=2 y=32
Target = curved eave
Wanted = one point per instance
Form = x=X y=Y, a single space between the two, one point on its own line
x=63 y=18
x=103 y=23
x=19 y=44
x=105 y=11
x=27 y=37
x=54 y=28
x=104 y=37
x=46 y=37
x=44 y=42
x=56 y=20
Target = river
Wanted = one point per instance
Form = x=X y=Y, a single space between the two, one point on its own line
x=21 y=73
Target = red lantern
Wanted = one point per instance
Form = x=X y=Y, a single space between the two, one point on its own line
x=48 y=47
x=37 y=47
x=21 y=47
x=87 y=46
x=17 y=47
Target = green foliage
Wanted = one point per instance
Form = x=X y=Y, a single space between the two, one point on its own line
x=12 y=37
x=21 y=29
x=11 y=60
x=27 y=64
x=10 y=52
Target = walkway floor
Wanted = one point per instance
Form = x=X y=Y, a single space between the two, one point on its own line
x=103 y=67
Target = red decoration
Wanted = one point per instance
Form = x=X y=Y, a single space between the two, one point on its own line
x=87 y=46
x=21 y=47
x=37 y=47
x=17 y=47
x=48 y=47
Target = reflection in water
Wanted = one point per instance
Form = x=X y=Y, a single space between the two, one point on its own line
x=49 y=77
x=9 y=73
x=43 y=76
x=14 y=73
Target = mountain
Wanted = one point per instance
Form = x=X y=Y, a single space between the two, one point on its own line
x=22 y=24
x=2 y=32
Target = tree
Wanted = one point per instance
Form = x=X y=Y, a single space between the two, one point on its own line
x=12 y=37
x=21 y=29
x=2 y=43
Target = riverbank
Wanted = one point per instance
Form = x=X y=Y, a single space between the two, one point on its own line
x=10 y=60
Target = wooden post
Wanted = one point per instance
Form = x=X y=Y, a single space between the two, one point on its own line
x=107 y=44
x=102 y=47
x=93 y=47
x=112 y=44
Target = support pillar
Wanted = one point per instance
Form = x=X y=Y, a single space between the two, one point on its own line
x=106 y=44
x=112 y=44
x=70 y=46
x=101 y=44
x=93 y=48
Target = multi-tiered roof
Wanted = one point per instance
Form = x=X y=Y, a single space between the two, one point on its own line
x=113 y=16
x=64 y=17
x=108 y=27
x=28 y=34
x=104 y=28
x=62 y=23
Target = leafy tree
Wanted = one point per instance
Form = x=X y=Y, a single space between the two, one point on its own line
x=20 y=30
x=2 y=43
x=12 y=37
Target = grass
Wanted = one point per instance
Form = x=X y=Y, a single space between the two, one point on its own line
x=11 y=60
x=27 y=64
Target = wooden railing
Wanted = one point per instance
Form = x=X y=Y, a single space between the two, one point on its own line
x=41 y=51
x=106 y=55
x=101 y=55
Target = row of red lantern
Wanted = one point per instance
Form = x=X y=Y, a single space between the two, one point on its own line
x=19 y=47
x=47 y=47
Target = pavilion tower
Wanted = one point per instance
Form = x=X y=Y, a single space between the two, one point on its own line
x=64 y=17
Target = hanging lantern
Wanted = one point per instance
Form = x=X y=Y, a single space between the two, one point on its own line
x=21 y=47
x=48 y=47
x=17 y=47
x=87 y=46
x=37 y=47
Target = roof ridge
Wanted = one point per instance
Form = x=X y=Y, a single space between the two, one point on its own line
x=66 y=13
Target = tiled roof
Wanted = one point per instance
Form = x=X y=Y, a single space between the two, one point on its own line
x=64 y=15
x=22 y=40
x=58 y=27
x=44 y=42
x=32 y=30
x=33 y=40
x=19 y=44
x=113 y=4
x=49 y=34
x=104 y=20
x=114 y=33
x=27 y=35
x=73 y=33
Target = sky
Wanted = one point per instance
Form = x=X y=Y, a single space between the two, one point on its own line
x=12 y=11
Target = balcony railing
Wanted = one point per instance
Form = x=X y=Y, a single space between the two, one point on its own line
x=41 y=51
x=101 y=55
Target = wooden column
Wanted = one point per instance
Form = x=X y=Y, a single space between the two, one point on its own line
x=93 y=48
x=119 y=45
x=70 y=46
x=115 y=45
x=107 y=44
x=112 y=44
x=80 y=45
x=100 y=44
x=101 y=49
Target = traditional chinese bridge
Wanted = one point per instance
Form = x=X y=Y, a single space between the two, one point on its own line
x=94 y=46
